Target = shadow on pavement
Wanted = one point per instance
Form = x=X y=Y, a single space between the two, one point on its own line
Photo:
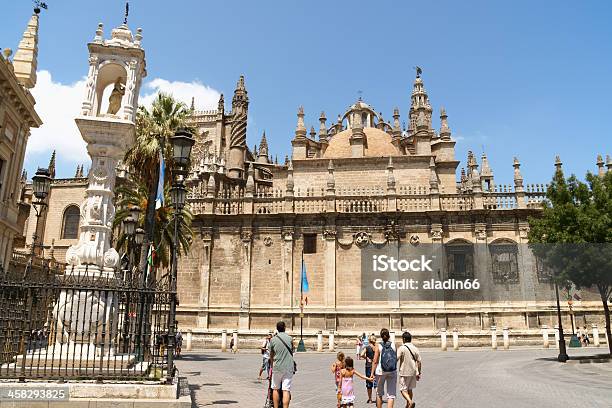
x=201 y=357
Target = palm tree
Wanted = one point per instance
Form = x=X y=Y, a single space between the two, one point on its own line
x=154 y=128
x=134 y=192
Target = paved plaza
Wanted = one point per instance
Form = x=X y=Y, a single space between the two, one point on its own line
x=465 y=378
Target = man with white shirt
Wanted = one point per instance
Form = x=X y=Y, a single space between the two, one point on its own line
x=409 y=360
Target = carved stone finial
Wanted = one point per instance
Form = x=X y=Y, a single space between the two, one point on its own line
x=600 y=166
x=221 y=104
x=608 y=162
x=558 y=164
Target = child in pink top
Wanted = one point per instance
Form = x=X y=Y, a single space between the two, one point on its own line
x=346 y=386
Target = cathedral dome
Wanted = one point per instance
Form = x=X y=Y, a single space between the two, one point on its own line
x=378 y=144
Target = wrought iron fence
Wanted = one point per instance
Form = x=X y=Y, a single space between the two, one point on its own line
x=83 y=323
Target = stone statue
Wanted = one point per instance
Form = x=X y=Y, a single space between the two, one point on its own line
x=114 y=101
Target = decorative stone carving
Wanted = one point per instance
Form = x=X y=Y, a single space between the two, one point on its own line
x=436 y=232
x=206 y=234
x=111 y=258
x=114 y=101
x=524 y=231
x=246 y=236
x=481 y=233
x=415 y=240
x=329 y=234
x=267 y=240
x=391 y=232
x=287 y=235
x=362 y=239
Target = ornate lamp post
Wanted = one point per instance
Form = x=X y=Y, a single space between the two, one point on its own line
x=41 y=183
x=182 y=142
x=135 y=237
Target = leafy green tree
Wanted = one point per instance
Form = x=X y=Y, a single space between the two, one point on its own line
x=134 y=193
x=573 y=235
x=154 y=127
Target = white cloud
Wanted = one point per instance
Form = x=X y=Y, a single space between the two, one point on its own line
x=58 y=104
x=206 y=98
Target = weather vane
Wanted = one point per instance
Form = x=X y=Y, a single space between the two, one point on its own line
x=127 y=12
x=360 y=93
x=419 y=71
x=39 y=5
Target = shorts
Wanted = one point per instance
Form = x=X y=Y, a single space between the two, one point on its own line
x=391 y=380
x=369 y=384
x=265 y=364
x=281 y=381
x=407 y=382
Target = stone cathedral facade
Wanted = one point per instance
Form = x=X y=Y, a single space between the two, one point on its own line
x=360 y=180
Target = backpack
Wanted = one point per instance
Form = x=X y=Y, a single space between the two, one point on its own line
x=388 y=358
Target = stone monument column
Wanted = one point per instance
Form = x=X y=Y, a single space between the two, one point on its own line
x=107 y=124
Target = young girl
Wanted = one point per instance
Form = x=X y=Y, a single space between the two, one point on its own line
x=336 y=368
x=346 y=384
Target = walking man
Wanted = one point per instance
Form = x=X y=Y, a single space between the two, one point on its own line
x=283 y=366
x=265 y=354
x=409 y=369
x=385 y=370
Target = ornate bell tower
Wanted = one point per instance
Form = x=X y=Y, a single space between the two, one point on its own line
x=107 y=124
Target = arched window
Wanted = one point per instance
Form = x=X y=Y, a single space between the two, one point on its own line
x=504 y=261
x=460 y=259
x=70 y=223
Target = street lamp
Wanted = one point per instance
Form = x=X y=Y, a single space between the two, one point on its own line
x=182 y=142
x=562 y=357
x=41 y=183
x=135 y=237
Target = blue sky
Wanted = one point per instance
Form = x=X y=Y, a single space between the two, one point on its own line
x=524 y=78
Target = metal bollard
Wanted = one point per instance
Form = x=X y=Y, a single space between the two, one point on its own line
x=494 y=337
x=331 y=340
x=506 y=334
x=545 y=336
x=455 y=339
x=556 y=336
x=189 y=338
x=224 y=340
x=595 y=335
x=320 y=341
x=443 y=339
x=235 y=337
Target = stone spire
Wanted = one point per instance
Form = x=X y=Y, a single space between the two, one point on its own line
x=238 y=132
x=290 y=185
x=558 y=164
x=331 y=181
x=472 y=165
x=433 y=177
x=445 y=132
x=322 y=127
x=300 y=129
x=25 y=61
x=76 y=173
x=221 y=104
x=420 y=109
x=390 y=176
x=518 y=178
x=193 y=103
x=52 y=165
x=485 y=168
x=381 y=122
x=313 y=133
x=262 y=156
x=600 y=166
x=210 y=186
x=249 y=188
x=608 y=163
x=396 y=121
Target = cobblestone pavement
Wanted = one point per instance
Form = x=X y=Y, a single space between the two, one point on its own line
x=466 y=378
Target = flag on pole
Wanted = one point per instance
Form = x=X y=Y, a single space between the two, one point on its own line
x=159 y=199
x=151 y=255
x=304 y=285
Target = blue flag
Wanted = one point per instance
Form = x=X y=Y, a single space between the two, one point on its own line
x=159 y=200
x=304 y=278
